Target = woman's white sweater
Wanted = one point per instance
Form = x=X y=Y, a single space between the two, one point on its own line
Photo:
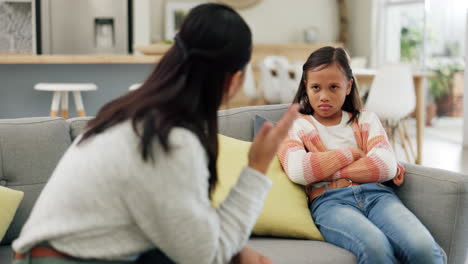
x=104 y=202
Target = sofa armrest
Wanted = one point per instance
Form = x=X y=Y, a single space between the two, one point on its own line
x=439 y=199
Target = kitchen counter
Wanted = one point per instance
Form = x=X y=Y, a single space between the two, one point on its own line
x=78 y=59
x=113 y=75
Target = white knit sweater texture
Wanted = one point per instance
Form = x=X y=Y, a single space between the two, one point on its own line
x=104 y=202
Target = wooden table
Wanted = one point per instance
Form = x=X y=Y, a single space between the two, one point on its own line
x=364 y=77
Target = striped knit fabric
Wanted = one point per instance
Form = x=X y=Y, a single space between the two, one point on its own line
x=306 y=160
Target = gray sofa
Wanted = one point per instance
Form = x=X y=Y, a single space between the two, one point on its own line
x=31 y=147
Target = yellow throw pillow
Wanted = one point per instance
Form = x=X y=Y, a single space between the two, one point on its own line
x=285 y=213
x=9 y=202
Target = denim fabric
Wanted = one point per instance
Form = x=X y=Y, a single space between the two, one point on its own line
x=370 y=221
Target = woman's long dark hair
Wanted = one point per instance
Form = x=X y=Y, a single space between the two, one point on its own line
x=188 y=84
x=324 y=57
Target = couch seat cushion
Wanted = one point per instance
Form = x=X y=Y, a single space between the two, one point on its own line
x=286 y=251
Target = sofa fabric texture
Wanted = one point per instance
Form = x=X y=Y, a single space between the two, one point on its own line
x=29 y=150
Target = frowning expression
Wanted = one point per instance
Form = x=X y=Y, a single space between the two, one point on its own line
x=327 y=88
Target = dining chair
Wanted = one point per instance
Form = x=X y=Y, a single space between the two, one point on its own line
x=392 y=97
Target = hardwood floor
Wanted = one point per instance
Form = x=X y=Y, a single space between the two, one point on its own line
x=442 y=145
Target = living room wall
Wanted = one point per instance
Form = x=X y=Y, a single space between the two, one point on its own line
x=279 y=21
x=360 y=28
x=273 y=21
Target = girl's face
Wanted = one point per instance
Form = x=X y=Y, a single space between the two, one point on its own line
x=327 y=88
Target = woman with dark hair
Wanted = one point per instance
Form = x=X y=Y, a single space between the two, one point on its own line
x=342 y=155
x=139 y=178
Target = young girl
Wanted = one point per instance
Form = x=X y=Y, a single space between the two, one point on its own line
x=140 y=176
x=342 y=155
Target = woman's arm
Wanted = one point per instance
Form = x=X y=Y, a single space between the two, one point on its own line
x=170 y=205
x=304 y=167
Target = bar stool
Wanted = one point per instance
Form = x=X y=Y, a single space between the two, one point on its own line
x=134 y=86
x=61 y=96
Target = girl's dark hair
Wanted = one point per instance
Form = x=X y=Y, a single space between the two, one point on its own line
x=324 y=57
x=186 y=87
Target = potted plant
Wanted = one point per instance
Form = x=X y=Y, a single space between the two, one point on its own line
x=411 y=40
x=441 y=87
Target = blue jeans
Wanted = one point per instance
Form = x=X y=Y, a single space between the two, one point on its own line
x=370 y=221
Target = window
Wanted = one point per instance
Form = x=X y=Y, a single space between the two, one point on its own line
x=417 y=31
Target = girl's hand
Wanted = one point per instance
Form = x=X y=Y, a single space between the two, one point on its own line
x=269 y=138
x=357 y=153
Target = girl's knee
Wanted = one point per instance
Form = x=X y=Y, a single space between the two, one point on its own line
x=372 y=248
x=425 y=251
x=380 y=251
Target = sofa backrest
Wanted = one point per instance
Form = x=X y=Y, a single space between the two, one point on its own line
x=30 y=148
x=239 y=122
x=77 y=125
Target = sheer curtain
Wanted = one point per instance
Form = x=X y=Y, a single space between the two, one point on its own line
x=465 y=98
x=392 y=17
x=447 y=27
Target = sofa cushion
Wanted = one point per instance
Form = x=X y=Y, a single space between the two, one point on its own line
x=439 y=199
x=9 y=201
x=258 y=123
x=281 y=251
x=285 y=212
x=30 y=148
x=6 y=255
x=77 y=125
x=238 y=122
x=286 y=251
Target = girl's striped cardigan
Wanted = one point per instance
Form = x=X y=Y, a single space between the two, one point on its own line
x=307 y=161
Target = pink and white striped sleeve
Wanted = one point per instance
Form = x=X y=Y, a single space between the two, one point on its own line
x=305 y=165
x=380 y=163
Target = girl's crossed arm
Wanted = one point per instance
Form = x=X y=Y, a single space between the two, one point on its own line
x=380 y=163
x=305 y=167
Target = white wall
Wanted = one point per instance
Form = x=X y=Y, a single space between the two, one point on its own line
x=283 y=21
x=157 y=20
x=141 y=22
x=360 y=29
x=273 y=21
x=465 y=98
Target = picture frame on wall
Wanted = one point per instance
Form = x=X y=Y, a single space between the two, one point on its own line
x=175 y=12
x=18 y=27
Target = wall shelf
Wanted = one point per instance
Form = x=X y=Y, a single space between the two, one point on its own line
x=16 y=1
